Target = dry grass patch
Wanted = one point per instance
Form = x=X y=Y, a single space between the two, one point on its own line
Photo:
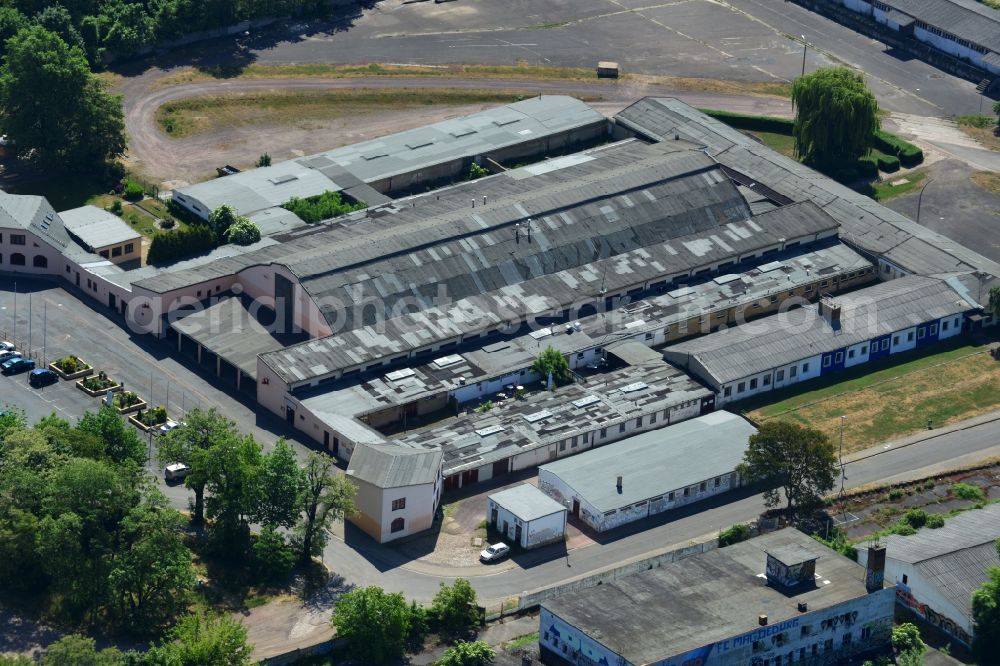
x=988 y=180
x=899 y=401
x=987 y=136
x=494 y=72
x=196 y=115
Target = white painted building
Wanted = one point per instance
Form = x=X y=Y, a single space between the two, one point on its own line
x=398 y=491
x=650 y=473
x=802 y=344
x=526 y=516
x=937 y=570
x=778 y=599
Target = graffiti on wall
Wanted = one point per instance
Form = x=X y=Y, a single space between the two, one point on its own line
x=905 y=598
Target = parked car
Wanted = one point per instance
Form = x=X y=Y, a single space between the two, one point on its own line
x=7 y=355
x=42 y=377
x=494 y=553
x=175 y=472
x=17 y=365
x=7 y=346
x=170 y=425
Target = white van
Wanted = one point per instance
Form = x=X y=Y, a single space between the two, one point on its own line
x=176 y=472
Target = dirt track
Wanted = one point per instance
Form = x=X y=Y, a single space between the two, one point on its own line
x=179 y=161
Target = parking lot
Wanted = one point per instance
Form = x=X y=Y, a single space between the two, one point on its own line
x=61 y=324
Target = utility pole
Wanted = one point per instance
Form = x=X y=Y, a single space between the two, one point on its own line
x=14 y=333
x=29 y=322
x=805 y=47
x=45 y=327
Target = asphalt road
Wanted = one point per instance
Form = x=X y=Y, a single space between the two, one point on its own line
x=730 y=39
x=356 y=563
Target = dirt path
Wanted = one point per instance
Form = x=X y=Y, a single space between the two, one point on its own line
x=179 y=161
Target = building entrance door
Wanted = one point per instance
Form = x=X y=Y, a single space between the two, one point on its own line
x=576 y=507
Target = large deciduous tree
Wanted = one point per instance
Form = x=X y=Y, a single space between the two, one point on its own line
x=203 y=639
x=476 y=653
x=791 y=459
x=374 y=623
x=986 y=613
x=53 y=107
x=191 y=445
x=455 y=607
x=551 y=362
x=326 y=496
x=836 y=117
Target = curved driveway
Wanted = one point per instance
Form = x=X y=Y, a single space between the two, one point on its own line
x=159 y=155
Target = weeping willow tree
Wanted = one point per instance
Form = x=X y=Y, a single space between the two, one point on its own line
x=837 y=117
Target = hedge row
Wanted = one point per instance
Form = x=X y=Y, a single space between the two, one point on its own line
x=182 y=243
x=890 y=144
x=755 y=123
x=887 y=163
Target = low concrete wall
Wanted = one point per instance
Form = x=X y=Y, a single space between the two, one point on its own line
x=703 y=545
x=294 y=656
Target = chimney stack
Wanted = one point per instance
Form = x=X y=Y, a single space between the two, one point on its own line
x=762 y=619
x=830 y=311
x=875 y=569
x=619 y=484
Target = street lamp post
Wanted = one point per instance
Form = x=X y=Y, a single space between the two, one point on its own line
x=920 y=197
x=805 y=47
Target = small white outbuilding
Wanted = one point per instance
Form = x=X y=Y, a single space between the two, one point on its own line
x=526 y=516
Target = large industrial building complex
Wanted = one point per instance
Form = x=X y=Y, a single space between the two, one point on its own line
x=676 y=263
x=781 y=598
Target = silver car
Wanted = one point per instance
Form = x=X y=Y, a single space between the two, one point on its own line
x=494 y=553
x=7 y=355
x=7 y=346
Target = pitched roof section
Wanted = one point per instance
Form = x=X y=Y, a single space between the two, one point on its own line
x=391 y=466
x=759 y=346
x=656 y=462
x=527 y=502
x=966 y=19
x=865 y=223
x=97 y=227
x=966 y=530
x=34 y=214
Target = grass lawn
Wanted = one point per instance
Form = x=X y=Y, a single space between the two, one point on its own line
x=886 y=190
x=194 y=115
x=521 y=641
x=782 y=143
x=891 y=397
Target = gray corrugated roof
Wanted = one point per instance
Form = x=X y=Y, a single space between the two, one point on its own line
x=749 y=349
x=967 y=529
x=97 y=227
x=865 y=223
x=656 y=462
x=970 y=20
x=958 y=574
x=527 y=502
x=702 y=600
x=388 y=466
x=370 y=161
x=34 y=214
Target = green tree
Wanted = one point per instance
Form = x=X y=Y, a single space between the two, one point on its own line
x=264 y=160
x=273 y=557
x=11 y=21
x=836 y=117
x=374 y=623
x=996 y=110
x=242 y=232
x=11 y=418
x=476 y=653
x=455 y=607
x=152 y=574
x=326 y=496
x=222 y=218
x=233 y=482
x=202 y=639
x=281 y=484
x=57 y=19
x=994 y=303
x=787 y=457
x=121 y=441
x=191 y=445
x=551 y=361
x=906 y=638
x=76 y=650
x=54 y=107
x=986 y=613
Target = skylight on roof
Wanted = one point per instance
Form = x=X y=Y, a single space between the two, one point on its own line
x=416 y=145
x=280 y=180
x=541 y=333
x=402 y=373
x=583 y=402
x=491 y=430
x=537 y=416
x=632 y=388
x=506 y=121
x=445 y=361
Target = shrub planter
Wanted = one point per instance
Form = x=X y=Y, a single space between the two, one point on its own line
x=86 y=371
x=132 y=408
x=142 y=426
x=100 y=393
